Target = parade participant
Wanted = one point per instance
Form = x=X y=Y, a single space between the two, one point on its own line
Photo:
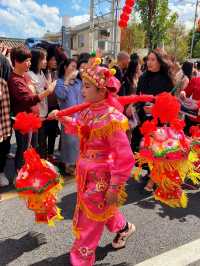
x=103 y=167
x=166 y=150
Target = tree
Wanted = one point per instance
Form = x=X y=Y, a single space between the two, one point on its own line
x=133 y=37
x=157 y=19
x=196 y=45
x=196 y=50
x=177 y=42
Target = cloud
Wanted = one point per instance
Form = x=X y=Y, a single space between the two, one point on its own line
x=77 y=20
x=185 y=9
x=76 y=5
x=25 y=18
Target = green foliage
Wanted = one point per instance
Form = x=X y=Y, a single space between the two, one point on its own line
x=196 y=45
x=133 y=37
x=156 y=19
x=196 y=50
x=177 y=42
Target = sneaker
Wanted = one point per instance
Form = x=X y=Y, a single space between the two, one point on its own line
x=122 y=237
x=3 y=180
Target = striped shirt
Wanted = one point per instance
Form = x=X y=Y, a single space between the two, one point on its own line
x=5 y=124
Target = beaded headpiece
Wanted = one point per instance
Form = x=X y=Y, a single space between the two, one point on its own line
x=101 y=77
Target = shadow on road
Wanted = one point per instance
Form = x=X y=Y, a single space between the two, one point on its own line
x=62 y=260
x=174 y=213
x=11 y=249
x=67 y=205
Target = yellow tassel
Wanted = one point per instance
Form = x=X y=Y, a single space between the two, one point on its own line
x=174 y=203
x=98 y=217
x=76 y=232
x=193 y=157
x=109 y=129
x=184 y=200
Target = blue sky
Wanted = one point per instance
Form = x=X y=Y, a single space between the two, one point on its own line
x=32 y=18
x=67 y=7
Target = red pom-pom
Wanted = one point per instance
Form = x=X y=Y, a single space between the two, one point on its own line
x=130 y=3
x=123 y=23
x=178 y=124
x=124 y=16
x=127 y=9
x=195 y=131
x=26 y=123
x=166 y=108
x=148 y=127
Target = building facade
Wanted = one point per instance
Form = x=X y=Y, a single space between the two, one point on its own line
x=79 y=38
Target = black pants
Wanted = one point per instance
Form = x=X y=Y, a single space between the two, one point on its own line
x=42 y=142
x=4 y=150
x=22 y=145
x=51 y=132
x=136 y=139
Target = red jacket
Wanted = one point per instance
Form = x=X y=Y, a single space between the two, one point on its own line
x=22 y=99
x=193 y=89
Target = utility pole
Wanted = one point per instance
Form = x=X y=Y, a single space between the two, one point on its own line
x=116 y=30
x=92 y=25
x=194 y=27
x=104 y=15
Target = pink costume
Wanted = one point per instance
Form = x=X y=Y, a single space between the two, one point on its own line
x=104 y=164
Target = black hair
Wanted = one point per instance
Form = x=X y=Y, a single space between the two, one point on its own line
x=19 y=54
x=134 y=56
x=63 y=65
x=132 y=68
x=81 y=62
x=37 y=56
x=84 y=57
x=187 y=68
x=166 y=65
x=198 y=65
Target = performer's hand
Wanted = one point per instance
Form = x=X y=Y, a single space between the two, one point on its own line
x=53 y=115
x=183 y=95
x=111 y=198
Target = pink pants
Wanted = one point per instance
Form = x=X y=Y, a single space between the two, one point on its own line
x=83 y=249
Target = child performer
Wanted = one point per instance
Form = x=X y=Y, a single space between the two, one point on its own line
x=103 y=167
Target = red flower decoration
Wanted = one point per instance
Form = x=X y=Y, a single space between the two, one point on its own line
x=148 y=127
x=166 y=108
x=26 y=123
x=195 y=131
x=178 y=124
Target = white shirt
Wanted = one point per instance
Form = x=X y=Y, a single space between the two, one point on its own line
x=40 y=82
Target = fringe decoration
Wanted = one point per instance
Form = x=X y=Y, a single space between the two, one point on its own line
x=109 y=129
x=174 y=203
x=109 y=212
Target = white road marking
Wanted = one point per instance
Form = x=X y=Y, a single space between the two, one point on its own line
x=181 y=256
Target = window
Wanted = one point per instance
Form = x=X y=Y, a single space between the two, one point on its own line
x=102 y=45
x=80 y=41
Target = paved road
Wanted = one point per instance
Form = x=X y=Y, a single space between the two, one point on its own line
x=159 y=229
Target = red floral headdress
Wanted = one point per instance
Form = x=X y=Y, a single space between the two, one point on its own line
x=101 y=77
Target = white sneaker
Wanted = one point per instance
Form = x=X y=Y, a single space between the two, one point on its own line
x=122 y=237
x=3 y=180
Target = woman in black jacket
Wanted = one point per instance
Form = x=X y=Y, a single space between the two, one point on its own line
x=157 y=79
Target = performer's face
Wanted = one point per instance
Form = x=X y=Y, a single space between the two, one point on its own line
x=91 y=93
